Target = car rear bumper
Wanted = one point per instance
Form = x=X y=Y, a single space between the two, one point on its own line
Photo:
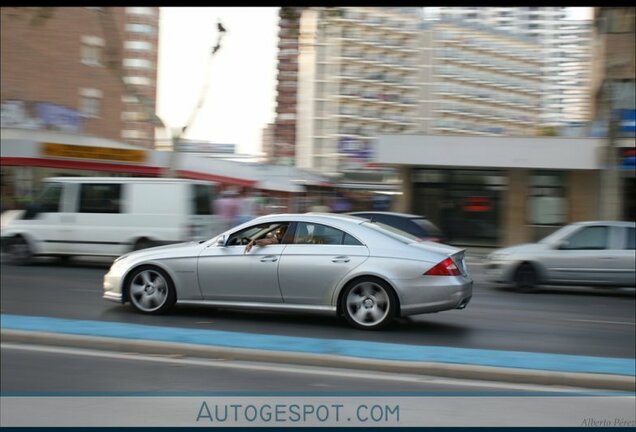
x=434 y=294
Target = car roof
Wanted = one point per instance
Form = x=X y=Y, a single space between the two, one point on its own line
x=404 y=215
x=606 y=222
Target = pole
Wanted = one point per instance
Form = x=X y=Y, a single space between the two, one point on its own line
x=177 y=137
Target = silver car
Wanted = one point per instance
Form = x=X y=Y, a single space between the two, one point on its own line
x=365 y=271
x=599 y=253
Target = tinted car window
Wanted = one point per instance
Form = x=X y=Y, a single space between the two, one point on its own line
x=594 y=237
x=312 y=233
x=427 y=227
x=630 y=238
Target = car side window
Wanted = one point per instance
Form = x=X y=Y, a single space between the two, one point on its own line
x=631 y=232
x=242 y=237
x=593 y=237
x=312 y=233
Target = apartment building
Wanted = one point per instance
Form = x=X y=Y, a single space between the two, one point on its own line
x=565 y=47
x=358 y=77
x=479 y=81
x=368 y=72
x=85 y=70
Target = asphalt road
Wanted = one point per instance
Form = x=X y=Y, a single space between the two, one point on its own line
x=72 y=370
x=581 y=321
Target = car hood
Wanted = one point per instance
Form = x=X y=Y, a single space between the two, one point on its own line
x=522 y=248
x=169 y=251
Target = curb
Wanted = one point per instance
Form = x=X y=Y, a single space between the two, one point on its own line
x=447 y=370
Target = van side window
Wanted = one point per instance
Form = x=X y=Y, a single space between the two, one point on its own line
x=100 y=198
x=49 y=200
x=202 y=200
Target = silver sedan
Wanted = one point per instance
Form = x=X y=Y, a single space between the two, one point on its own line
x=365 y=271
x=593 y=253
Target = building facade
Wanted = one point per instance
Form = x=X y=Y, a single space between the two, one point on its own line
x=83 y=70
x=565 y=50
x=614 y=107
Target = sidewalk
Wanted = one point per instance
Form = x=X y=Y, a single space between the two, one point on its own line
x=486 y=365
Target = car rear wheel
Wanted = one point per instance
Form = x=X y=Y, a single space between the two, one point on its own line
x=19 y=251
x=526 y=278
x=150 y=290
x=369 y=304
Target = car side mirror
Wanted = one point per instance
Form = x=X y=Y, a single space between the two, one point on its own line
x=563 y=244
x=220 y=241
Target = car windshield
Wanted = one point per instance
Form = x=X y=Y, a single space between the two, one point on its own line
x=392 y=232
x=558 y=234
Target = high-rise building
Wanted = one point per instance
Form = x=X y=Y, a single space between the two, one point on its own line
x=366 y=72
x=84 y=70
x=287 y=86
x=565 y=47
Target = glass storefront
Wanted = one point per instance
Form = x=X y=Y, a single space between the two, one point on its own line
x=465 y=204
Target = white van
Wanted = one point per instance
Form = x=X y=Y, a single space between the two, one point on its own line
x=109 y=216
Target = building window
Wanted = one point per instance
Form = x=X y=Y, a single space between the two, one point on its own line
x=140 y=28
x=138 y=46
x=148 y=11
x=547 y=205
x=134 y=134
x=90 y=102
x=91 y=50
x=138 y=80
x=135 y=63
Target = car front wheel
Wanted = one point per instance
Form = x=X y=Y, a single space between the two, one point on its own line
x=369 y=304
x=150 y=290
x=525 y=278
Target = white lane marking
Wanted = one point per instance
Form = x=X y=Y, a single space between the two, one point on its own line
x=602 y=322
x=288 y=369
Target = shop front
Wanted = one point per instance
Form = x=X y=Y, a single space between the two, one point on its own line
x=495 y=191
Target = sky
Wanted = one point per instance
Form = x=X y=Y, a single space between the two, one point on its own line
x=240 y=99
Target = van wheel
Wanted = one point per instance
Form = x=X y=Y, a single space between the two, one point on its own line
x=142 y=243
x=150 y=290
x=19 y=251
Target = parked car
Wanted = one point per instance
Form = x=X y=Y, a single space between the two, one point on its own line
x=599 y=253
x=418 y=226
x=327 y=263
x=108 y=216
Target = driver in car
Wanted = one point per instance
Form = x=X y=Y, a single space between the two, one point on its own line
x=277 y=238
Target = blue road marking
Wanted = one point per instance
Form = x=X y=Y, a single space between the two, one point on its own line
x=348 y=348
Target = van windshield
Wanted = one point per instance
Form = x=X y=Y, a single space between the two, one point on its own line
x=49 y=198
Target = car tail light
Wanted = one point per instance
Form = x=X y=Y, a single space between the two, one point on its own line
x=444 y=268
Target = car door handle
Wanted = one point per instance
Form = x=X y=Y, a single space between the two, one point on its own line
x=269 y=258
x=341 y=259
